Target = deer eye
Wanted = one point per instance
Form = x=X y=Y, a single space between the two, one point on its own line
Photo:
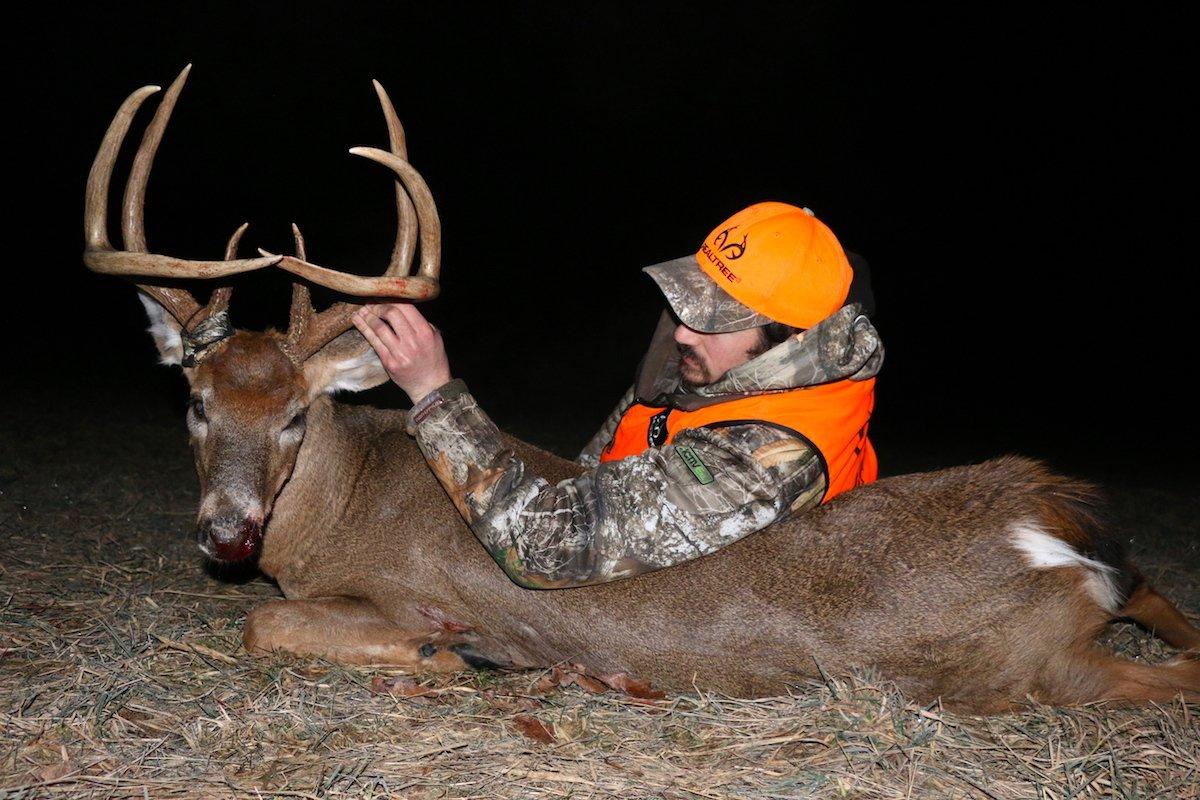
x=198 y=409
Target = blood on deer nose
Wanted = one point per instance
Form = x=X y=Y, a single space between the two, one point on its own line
x=225 y=540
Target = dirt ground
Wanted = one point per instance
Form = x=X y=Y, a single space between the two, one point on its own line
x=121 y=673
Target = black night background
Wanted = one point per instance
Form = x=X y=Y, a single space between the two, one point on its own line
x=1017 y=178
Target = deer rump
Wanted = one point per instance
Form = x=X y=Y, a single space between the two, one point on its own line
x=977 y=584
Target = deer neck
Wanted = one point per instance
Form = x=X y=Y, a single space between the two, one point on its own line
x=318 y=492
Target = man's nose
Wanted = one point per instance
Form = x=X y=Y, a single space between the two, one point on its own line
x=685 y=335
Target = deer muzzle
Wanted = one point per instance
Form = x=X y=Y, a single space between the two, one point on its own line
x=226 y=539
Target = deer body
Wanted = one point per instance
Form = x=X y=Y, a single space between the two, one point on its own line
x=979 y=584
x=945 y=604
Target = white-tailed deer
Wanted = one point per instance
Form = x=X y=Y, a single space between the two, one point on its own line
x=980 y=584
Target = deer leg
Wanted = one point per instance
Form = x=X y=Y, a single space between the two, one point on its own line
x=1089 y=674
x=1159 y=615
x=355 y=632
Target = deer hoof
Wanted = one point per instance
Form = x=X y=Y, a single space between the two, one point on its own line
x=472 y=658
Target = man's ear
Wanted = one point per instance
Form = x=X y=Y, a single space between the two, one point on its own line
x=347 y=362
x=164 y=329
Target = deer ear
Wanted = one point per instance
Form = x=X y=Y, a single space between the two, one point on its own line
x=164 y=329
x=347 y=362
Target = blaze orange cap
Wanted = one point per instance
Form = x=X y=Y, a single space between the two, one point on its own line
x=780 y=261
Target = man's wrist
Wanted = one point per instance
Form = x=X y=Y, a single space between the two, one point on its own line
x=418 y=393
x=424 y=406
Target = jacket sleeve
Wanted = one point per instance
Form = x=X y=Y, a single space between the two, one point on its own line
x=668 y=505
x=590 y=455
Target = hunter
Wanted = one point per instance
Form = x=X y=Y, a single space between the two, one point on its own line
x=752 y=403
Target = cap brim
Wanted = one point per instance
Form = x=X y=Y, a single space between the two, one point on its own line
x=698 y=301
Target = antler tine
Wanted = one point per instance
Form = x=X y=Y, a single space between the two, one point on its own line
x=320 y=329
x=298 y=240
x=308 y=331
x=95 y=200
x=301 y=309
x=406 y=230
x=231 y=247
x=133 y=228
x=134 y=260
x=418 y=190
x=219 y=300
x=422 y=286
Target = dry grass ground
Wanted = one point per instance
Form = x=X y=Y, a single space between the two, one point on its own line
x=121 y=675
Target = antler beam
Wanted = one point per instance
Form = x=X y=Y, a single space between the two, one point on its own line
x=307 y=331
x=416 y=210
x=134 y=259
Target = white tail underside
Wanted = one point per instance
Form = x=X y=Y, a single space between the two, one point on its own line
x=1044 y=551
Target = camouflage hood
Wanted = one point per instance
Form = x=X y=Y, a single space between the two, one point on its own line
x=844 y=345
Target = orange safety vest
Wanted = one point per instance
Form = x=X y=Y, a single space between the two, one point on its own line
x=832 y=417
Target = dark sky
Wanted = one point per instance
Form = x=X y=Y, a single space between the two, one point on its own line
x=1019 y=178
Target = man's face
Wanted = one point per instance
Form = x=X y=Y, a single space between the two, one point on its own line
x=705 y=357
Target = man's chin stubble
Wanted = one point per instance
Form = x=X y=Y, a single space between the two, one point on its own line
x=692 y=378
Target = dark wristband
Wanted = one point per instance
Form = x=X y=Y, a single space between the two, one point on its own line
x=426 y=405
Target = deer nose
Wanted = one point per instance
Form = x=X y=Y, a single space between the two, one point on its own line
x=229 y=539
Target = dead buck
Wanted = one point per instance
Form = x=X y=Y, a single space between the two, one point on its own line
x=980 y=584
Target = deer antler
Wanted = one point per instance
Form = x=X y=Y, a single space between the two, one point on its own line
x=308 y=331
x=134 y=259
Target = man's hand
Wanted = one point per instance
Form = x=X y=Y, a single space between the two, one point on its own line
x=410 y=348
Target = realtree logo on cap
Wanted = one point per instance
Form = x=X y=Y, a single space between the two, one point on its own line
x=734 y=250
x=731 y=250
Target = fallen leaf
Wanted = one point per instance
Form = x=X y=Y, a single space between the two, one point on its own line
x=631 y=686
x=534 y=728
x=56 y=771
x=576 y=674
x=398 y=686
x=545 y=684
x=581 y=679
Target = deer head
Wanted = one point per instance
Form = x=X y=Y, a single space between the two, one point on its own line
x=250 y=391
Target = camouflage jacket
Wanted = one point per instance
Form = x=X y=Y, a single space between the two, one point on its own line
x=649 y=511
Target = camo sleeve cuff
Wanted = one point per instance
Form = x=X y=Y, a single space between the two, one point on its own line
x=461 y=443
x=447 y=391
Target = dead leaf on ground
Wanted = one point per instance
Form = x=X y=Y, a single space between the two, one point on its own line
x=623 y=682
x=545 y=684
x=534 y=728
x=398 y=686
x=575 y=674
